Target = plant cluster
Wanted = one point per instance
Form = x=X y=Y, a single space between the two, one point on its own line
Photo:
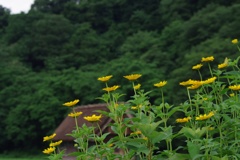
x=206 y=127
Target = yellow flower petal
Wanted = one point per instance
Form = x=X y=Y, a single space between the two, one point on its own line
x=93 y=118
x=222 y=65
x=53 y=144
x=207 y=59
x=205 y=116
x=132 y=77
x=109 y=89
x=183 y=120
x=71 y=103
x=234 y=41
x=137 y=86
x=209 y=80
x=46 y=138
x=160 y=84
x=105 y=79
x=76 y=114
x=49 y=150
x=235 y=87
x=198 y=66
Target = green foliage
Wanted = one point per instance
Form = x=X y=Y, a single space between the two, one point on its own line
x=209 y=124
x=56 y=51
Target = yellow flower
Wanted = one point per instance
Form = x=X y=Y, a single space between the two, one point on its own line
x=183 y=120
x=189 y=82
x=116 y=105
x=235 y=87
x=109 y=89
x=53 y=144
x=137 y=86
x=222 y=65
x=49 y=137
x=210 y=128
x=136 y=133
x=209 y=80
x=194 y=86
x=110 y=145
x=134 y=107
x=76 y=114
x=198 y=66
x=105 y=79
x=93 y=118
x=205 y=116
x=132 y=77
x=160 y=84
x=49 y=150
x=185 y=83
x=71 y=103
x=207 y=59
x=234 y=41
x=232 y=94
x=145 y=138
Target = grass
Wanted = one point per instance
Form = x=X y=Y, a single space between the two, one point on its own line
x=22 y=158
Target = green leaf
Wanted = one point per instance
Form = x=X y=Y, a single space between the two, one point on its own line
x=219 y=158
x=193 y=150
x=188 y=132
x=147 y=129
x=157 y=136
x=179 y=156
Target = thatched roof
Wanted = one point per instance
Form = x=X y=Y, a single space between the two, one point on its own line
x=68 y=124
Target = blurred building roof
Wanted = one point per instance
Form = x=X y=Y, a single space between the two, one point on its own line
x=68 y=124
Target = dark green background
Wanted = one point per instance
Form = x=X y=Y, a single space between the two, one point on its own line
x=56 y=51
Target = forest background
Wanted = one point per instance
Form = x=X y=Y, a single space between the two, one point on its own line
x=56 y=51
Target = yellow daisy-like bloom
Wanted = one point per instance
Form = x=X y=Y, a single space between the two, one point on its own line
x=189 y=82
x=49 y=137
x=185 y=83
x=234 y=41
x=205 y=116
x=76 y=114
x=222 y=65
x=195 y=84
x=183 y=120
x=137 y=86
x=193 y=87
x=207 y=59
x=49 y=150
x=160 y=84
x=145 y=138
x=93 y=118
x=116 y=105
x=209 y=80
x=71 y=103
x=110 y=145
x=113 y=88
x=136 y=133
x=105 y=79
x=198 y=66
x=205 y=99
x=235 y=87
x=132 y=77
x=53 y=144
x=232 y=95
x=134 y=107
x=210 y=128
